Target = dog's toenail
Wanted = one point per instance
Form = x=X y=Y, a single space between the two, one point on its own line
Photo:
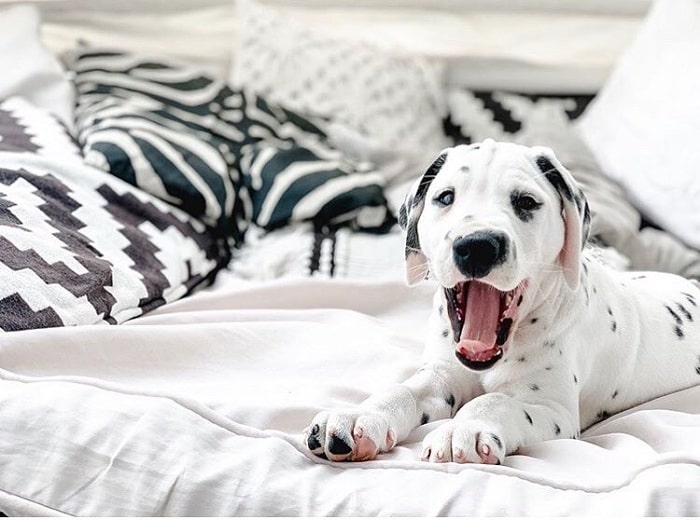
x=359 y=432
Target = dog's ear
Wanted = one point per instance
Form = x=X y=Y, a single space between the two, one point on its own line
x=409 y=213
x=575 y=212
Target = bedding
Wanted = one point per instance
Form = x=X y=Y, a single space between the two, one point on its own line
x=197 y=409
x=197 y=406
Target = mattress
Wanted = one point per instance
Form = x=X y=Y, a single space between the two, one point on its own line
x=198 y=407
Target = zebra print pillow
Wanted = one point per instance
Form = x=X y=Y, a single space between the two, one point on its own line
x=292 y=182
x=164 y=127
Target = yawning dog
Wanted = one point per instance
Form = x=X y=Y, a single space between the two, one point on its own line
x=532 y=336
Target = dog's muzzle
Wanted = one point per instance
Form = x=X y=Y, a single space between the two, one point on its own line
x=475 y=255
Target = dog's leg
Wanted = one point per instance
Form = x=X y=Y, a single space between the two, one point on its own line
x=493 y=425
x=434 y=392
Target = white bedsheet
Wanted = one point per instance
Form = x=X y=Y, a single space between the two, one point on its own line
x=197 y=409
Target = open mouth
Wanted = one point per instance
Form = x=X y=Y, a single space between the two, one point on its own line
x=482 y=318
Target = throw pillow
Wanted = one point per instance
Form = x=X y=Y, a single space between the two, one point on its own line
x=27 y=129
x=291 y=182
x=642 y=126
x=79 y=246
x=158 y=126
x=397 y=100
x=28 y=68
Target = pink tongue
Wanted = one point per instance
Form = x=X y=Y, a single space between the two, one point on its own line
x=480 y=319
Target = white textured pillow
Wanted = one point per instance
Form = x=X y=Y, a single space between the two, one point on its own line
x=643 y=126
x=397 y=100
x=28 y=69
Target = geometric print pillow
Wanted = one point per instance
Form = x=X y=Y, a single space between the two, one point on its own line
x=397 y=100
x=293 y=182
x=160 y=126
x=25 y=128
x=508 y=116
x=79 y=246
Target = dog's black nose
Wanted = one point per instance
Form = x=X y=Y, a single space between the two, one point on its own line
x=476 y=254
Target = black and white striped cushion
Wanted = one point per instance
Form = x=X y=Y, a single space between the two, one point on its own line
x=191 y=140
x=293 y=182
x=165 y=128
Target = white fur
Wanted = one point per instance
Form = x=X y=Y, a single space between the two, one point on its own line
x=589 y=340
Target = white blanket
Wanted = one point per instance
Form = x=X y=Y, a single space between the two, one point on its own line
x=198 y=408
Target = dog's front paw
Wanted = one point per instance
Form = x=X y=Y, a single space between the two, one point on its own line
x=462 y=441
x=349 y=435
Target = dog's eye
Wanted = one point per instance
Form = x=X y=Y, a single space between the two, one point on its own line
x=445 y=198
x=524 y=205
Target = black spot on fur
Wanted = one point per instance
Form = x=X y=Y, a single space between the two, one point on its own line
x=602 y=415
x=548 y=343
x=610 y=312
x=679 y=332
x=403 y=216
x=554 y=177
x=613 y=327
x=534 y=320
x=575 y=379
x=441 y=310
x=427 y=178
x=424 y=418
x=690 y=298
x=527 y=416
x=676 y=317
x=595 y=291
x=697 y=370
x=450 y=400
x=614 y=394
x=548 y=368
x=497 y=440
x=684 y=311
x=640 y=277
x=534 y=387
x=445 y=333
x=557 y=430
x=521 y=359
x=585 y=267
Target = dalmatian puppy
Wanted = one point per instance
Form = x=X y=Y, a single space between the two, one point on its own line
x=532 y=336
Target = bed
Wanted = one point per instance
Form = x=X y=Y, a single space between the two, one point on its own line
x=166 y=338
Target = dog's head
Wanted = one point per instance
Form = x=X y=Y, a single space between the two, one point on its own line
x=489 y=221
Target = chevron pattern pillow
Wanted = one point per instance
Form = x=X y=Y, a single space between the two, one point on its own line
x=79 y=246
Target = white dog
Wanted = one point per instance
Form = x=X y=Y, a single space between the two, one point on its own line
x=532 y=337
